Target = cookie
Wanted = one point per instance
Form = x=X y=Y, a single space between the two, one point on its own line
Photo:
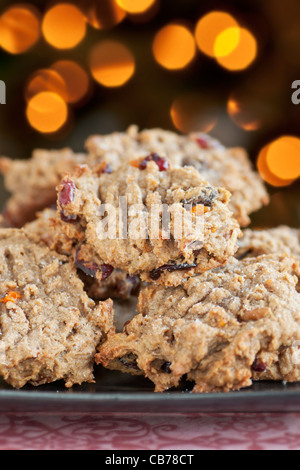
x=221 y=329
x=33 y=182
x=177 y=224
x=50 y=328
x=228 y=168
x=47 y=228
x=280 y=240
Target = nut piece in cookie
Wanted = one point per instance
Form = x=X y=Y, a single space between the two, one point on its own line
x=32 y=182
x=50 y=328
x=221 y=167
x=221 y=329
x=165 y=223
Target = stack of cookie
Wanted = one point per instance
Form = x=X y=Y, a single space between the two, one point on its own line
x=159 y=216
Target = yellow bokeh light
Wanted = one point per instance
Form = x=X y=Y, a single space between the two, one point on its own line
x=227 y=41
x=112 y=64
x=265 y=172
x=19 y=28
x=174 y=47
x=135 y=6
x=47 y=112
x=76 y=79
x=192 y=112
x=64 y=26
x=283 y=157
x=208 y=29
x=45 y=80
x=242 y=55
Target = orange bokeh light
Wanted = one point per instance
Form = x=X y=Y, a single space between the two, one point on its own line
x=265 y=172
x=47 y=112
x=192 y=112
x=242 y=54
x=208 y=29
x=104 y=14
x=283 y=157
x=64 y=26
x=174 y=47
x=19 y=28
x=135 y=6
x=112 y=64
x=242 y=116
x=45 y=80
x=76 y=80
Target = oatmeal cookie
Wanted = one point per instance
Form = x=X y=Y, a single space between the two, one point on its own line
x=33 y=182
x=194 y=232
x=49 y=327
x=228 y=168
x=221 y=329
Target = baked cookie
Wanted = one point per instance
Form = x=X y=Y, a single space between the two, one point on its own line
x=228 y=168
x=47 y=228
x=49 y=327
x=33 y=182
x=280 y=240
x=149 y=219
x=221 y=329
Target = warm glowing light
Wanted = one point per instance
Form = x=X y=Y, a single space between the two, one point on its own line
x=208 y=29
x=227 y=41
x=174 y=47
x=135 y=6
x=265 y=172
x=45 y=80
x=283 y=157
x=19 y=28
x=104 y=14
x=64 y=26
x=112 y=64
x=243 y=55
x=242 y=116
x=47 y=112
x=77 y=82
x=193 y=112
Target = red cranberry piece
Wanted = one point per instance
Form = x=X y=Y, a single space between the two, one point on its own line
x=155 y=275
x=107 y=271
x=91 y=269
x=259 y=366
x=67 y=193
x=203 y=142
x=161 y=162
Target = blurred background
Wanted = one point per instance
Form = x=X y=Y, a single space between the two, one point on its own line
x=73 y=69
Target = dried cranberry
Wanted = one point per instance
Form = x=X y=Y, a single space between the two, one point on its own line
x=259 y=366
x=70 y=219
x=107 y=271
x=91 y=269
x=67 y=193
x=161 y=162
x=166 y=367
x=155 y=275
x=203 y=142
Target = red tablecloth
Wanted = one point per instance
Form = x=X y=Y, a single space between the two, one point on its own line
x=152 y=432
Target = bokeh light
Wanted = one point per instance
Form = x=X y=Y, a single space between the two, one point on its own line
x=194 y=112
x=19 y=28
x=76 y=79
x=174 y=47
x=135 y=6
x=243 y=55
x=283 y=157
x=47 y=112
x=209 y=27
x=227 y=41
x=246 y=115
x=64 y=26
x=104 y=14
x=265 y=172
x=45 y=80
x=112 y=64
